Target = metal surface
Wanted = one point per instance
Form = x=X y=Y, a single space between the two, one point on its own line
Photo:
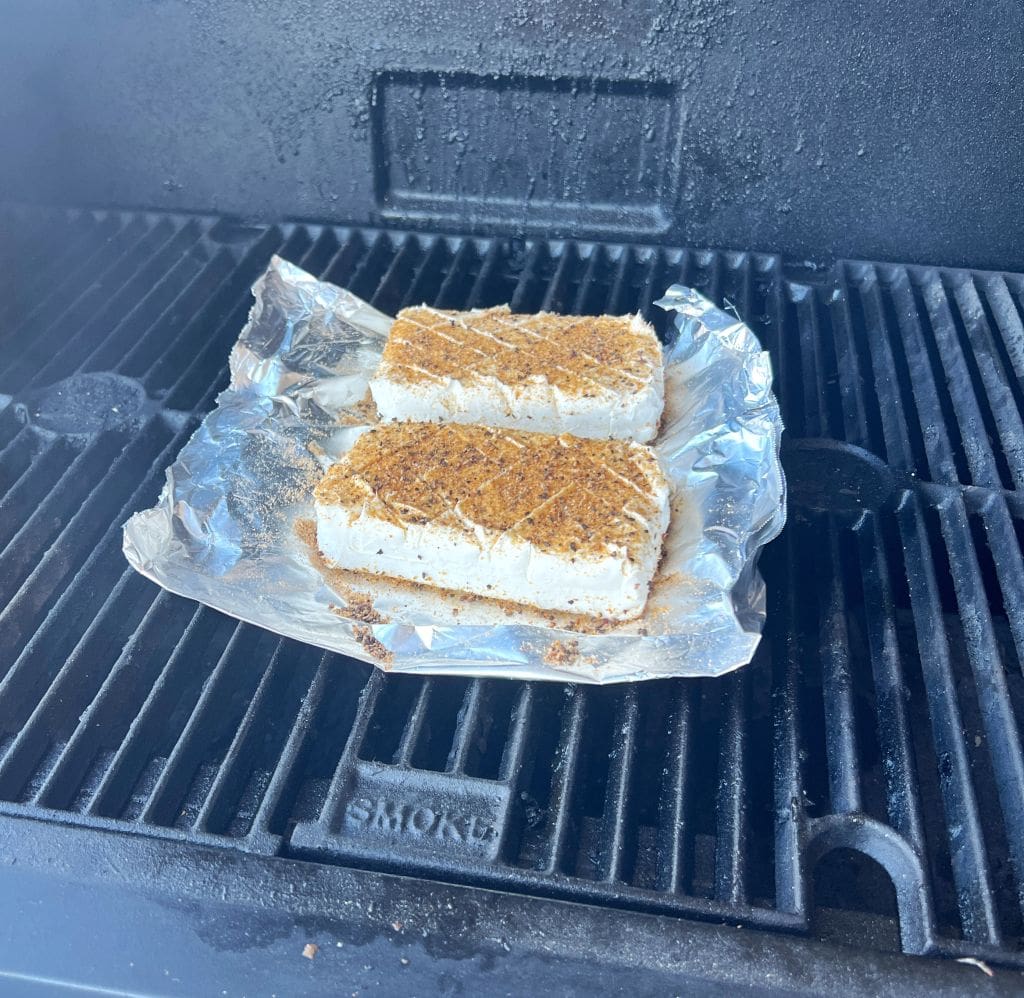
x=861 y=781
x=207 y=921
x=887 y=130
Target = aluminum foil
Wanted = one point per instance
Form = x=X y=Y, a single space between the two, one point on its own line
x=233 y=525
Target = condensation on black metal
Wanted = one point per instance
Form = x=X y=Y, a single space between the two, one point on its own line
x=862 y=779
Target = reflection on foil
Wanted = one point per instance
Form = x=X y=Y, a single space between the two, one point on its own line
x=232 y=527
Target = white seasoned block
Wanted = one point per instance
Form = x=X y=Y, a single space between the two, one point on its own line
x=559 y=523
x=591 y=376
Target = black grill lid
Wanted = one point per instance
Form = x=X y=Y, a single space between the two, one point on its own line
x=862 y=780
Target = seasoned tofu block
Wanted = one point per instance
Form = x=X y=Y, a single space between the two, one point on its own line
x=555 y=522
x=592 y=376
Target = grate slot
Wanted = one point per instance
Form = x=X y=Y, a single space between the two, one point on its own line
x=620 y=297
x=433 y=747
x=464 y=265
x=389 y=290
x=101 y=319
x=322 y=250
x=33 y=272
x=217 y=713
x=372 y=267
x=592 y=291
x=559 y=288
x=426 y=282
x=418 y=714
x=529 y=289
x=103 y=724
x=466 y=736
x=969 y=866
x=1009 y=568
x=853 y=379
x=29 y=578
x=653 y=281
x=331 y=812
x=383 y=737
x=801 y=313
x=1001 y=728
x=898 y=417
x=343 y=264
x=1007 y=329
x=118 y=240
x=45 y=339
x=258 y=741
x=480 y=293
x=29 y=490
x=16 y=458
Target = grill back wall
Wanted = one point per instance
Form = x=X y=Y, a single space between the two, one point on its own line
x=884 y=130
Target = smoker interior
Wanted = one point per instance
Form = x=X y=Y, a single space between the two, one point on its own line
x=861 y=782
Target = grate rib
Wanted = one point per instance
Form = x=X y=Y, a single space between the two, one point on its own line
x=563 y=784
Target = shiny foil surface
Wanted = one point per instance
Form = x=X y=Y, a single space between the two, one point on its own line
x=233 y=526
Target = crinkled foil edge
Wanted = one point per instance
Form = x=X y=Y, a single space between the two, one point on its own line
x=224 y=529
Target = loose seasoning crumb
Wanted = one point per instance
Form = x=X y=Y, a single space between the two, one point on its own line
x=360 y=607
x=310 y=950
x=372 y=646
x=562 y=652
x=364 y=411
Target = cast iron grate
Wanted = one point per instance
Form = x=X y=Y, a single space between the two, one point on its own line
x=863 y=779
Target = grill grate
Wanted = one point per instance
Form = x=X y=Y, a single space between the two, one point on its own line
x=863 y=779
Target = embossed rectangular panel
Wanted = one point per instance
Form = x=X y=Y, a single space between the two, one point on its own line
x=383 y=807
x=612 y=161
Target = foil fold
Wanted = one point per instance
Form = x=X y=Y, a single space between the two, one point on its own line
x=231 y=527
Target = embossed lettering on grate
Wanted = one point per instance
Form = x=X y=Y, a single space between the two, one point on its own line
x=862 y=780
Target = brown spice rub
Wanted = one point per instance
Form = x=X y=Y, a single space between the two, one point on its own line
x=563 y=495
x=358 y=607
x=580 y=355
x=562 y=652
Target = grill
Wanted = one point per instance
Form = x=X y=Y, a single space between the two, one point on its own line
x=862 y=781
